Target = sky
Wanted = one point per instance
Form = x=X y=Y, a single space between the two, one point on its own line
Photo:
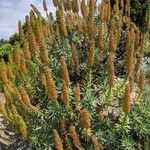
x=13 y=10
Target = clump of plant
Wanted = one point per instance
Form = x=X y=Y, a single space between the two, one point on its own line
x=74 y=80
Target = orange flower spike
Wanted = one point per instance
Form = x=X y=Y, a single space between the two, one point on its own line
x=142 y=80
x=57 y=140
x=75 y=6
x=91 y=9
x=17 y=56
x=75 y=137
x=91 y=54
x=127 y=100
x=84 y=9
x=24 y=96
x=26 y=51
x=56 y=3
x=43 y=79
x=96 y=144
x=65 y=94
x=74 y=54
x=85 y=119
x=51 y=87
x=64 y=70
x=61 y=23
x=31 y=37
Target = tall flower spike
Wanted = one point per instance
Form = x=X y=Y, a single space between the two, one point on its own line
x=57 y=140
x=96 y=144
x=19 y=120
x=111 y=70
x=44 y=5
x=100 y=39
x=3 y=71
x=64 y=70
x=32 y=19
x=21 y=34
x=84 y=9
x=43 y=79
x=130 y=59
x=65 y=94
x=9 y=71
x=56 y=3
x=51 y=88
x=22 y=127
x=77 y=96
x=85 y=119
x=75 y=137
x=23 y=67
x=68 y=5
x=17 y=94
x=91 y=54
x=75 y=6
x=61 y=23
x=35 y=10
x=142 y=80
x=17 y=56
x=3 y=109
x=74 y=54
x=14 y=113
x=91 y=8
x=10 y=58
x=112 y=43
x=102 y=11
x=31 y=37
x=127 y=100
x=26 y=51
x=91 y=29
x=42 y=45
x=24 y=96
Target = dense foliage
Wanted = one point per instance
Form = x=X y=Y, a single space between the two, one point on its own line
x=77 y=81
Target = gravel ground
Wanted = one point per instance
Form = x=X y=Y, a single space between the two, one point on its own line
x=8 y=139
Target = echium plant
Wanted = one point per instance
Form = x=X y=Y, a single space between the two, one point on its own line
x=74 y=73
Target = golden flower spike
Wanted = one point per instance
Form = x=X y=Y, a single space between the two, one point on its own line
x=64 y=70
x=84 y=9
x=127 y=100
x=31 y=37
x=51 y=88
x=85 y=119
x=24 y=96
x=35 y=10
x=65 y=94
x=61 y=23
x=21 y=33
x=75 y=137
x=57 y=140
x=96 y=144
x=91 y=54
